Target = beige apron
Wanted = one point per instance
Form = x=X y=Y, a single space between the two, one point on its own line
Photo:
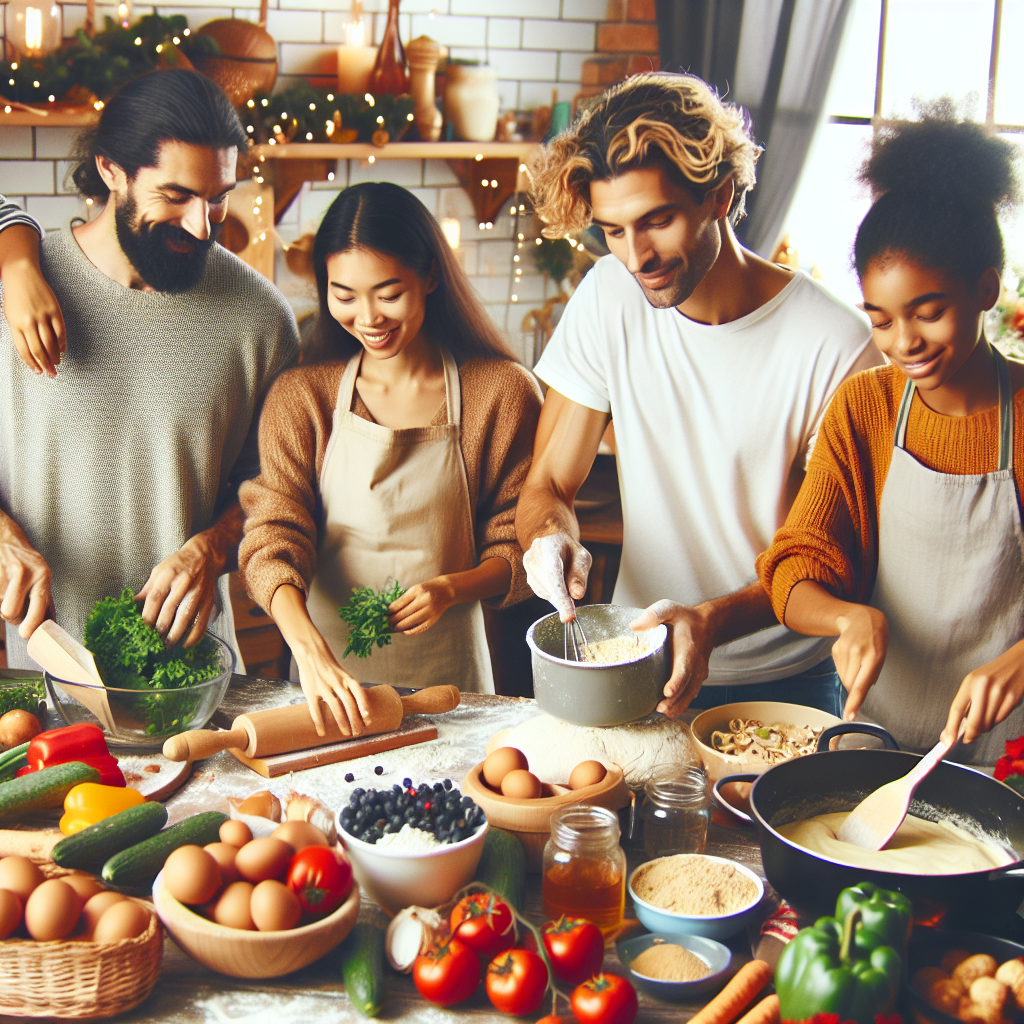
x=396 y=507
x=951 y=584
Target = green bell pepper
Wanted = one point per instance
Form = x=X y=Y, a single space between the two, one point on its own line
x=888 y=914
x=838 y=967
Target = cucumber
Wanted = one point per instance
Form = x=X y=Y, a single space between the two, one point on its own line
x=362 y=968
x=43 y=789
x=93 y=845
x=502 y=867
x=141 y=863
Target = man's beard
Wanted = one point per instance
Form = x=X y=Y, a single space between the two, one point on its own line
x=149 y=251
x=688 y=275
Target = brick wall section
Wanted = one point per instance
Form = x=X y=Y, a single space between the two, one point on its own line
x=627 y=44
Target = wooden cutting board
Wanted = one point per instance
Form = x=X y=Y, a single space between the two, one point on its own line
x=412 y=730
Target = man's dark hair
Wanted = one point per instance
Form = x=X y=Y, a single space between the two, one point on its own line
x=162 y=106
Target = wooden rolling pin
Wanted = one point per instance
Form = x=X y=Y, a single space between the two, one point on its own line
x=282 y=730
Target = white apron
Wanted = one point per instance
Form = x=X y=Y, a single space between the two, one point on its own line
x=951 y=584
x=395 y=506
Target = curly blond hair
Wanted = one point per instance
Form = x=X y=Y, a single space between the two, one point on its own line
x=648 y=118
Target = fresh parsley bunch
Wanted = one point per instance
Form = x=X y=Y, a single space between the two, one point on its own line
x=366 y=615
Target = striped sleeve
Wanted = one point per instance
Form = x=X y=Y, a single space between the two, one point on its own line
x=10 y=214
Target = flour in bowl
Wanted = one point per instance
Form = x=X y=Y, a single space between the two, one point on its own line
x=616 y=650
x=408 y=839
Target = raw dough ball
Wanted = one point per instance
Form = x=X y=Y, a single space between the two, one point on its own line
x=587 y=773
x=502 y=761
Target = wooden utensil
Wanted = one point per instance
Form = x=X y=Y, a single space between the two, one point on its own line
x=277 y=730
x=877 y=818
x=60 y=654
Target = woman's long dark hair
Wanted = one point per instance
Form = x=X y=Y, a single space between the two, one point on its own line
x=389 y=219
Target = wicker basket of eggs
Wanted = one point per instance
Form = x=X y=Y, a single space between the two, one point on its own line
x=516 y=800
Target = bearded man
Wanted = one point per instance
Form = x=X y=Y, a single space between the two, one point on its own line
x=121 y=470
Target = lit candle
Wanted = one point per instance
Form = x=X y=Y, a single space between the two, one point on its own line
x=355 y=59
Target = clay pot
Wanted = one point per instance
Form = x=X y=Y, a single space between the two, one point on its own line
x=247 y=62
x=471 y=101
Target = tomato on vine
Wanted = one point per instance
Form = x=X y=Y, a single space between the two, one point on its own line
x=575 y=948
x=484 y=923
x=516 y=981
x=447 y=974
x=605 y=999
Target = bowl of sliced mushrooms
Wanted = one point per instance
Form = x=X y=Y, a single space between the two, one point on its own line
x=752 y=736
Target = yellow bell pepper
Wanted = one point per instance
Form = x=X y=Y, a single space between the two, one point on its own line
x=90 y=802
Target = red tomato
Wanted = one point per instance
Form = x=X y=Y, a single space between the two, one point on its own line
x=447 y=974
x=605 y=999
x=575 y=948
x=516 y=981
x=321 y=878
x=484 y=923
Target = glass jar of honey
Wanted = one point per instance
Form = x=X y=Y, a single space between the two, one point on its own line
x=584 y=867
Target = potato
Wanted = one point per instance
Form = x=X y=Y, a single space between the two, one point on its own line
x=1011 y=974
x=945 y=994
x=980 y=965
x=953 y=959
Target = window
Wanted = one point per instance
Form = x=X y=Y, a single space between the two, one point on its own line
x=896 y=52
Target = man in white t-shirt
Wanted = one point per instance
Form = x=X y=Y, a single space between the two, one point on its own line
x=715 y=366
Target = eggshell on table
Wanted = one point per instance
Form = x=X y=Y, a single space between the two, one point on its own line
x=20 y=876
x=235 y=832
x=124 y=920
x=520 y=785
x=96 y=907
x=262 y=859
x=52 y=911
x=587 y=773
x=191 y=874
x=274 y=907
x=262 y=804
x=85 y=885
x=224 y=854
x=10 y=912
x=500 y=762
x=299 y=835
x=233 y=909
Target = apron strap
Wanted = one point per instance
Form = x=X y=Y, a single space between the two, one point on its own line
x=347 y=389
x=452 y=388
x=1006 y=416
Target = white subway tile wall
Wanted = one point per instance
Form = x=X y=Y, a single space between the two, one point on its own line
x=537 y=46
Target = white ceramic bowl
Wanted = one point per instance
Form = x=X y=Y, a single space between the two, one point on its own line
x=721 y=926
x=397 y=878
x=719 y=765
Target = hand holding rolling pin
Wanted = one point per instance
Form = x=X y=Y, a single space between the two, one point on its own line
x=557 y=566
x=987 y=695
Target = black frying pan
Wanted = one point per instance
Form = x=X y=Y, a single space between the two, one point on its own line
x=838 y=780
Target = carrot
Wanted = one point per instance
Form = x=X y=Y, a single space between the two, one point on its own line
x=766 y=1012
x=736 y=996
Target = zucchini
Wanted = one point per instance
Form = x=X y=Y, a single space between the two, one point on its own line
x=362 y=968
x=502 y=867
x=93 y=845
x=141 y=863
x=43 y=789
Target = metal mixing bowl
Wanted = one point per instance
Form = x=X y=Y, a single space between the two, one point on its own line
x=588 y=694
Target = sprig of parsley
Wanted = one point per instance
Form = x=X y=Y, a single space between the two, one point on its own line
x=366 y=616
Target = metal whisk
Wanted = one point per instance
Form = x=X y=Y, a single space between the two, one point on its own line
x=574 y=636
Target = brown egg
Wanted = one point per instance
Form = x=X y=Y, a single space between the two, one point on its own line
x=500 y=762
x=233 y=907
x=274 y=907
x=587 y=773
x=520 y=785
x=20 y=875
x=85 y=885
x=95 y=908
x=124 y=920
x=191 y=875
x=224 y=854
x=300 y=834
x=263 y=858
x=52 y=911
x=236 y=833
x=263 y=804
x=10 y=912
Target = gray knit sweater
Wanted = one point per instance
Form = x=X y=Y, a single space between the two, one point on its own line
x=150 y=423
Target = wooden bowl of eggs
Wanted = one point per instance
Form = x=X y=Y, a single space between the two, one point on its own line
x=229 y=906
x=514 y=799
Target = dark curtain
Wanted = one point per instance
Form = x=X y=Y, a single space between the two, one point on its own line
x=789 y=49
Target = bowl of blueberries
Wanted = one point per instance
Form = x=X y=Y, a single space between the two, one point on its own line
x=412 y=845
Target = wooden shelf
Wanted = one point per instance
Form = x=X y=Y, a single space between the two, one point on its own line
x=397 y=151
x=56 y=117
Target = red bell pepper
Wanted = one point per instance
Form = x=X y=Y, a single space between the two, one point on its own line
x=84 y=742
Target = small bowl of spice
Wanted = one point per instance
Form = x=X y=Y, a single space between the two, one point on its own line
x=694 y=894
x=675 y=967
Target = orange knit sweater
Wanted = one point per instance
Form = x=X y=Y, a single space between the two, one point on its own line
x=500 y=408
x=831 y=533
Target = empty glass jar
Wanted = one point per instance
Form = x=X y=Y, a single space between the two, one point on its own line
x=676 y=812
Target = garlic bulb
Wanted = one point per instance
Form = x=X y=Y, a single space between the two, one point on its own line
x=410 y=933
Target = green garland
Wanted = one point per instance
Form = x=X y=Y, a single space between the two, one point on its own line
x=101 y=65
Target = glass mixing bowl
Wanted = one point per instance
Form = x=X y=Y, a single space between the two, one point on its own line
x=143 y=719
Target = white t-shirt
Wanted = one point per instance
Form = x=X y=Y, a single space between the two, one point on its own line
x=713 y=428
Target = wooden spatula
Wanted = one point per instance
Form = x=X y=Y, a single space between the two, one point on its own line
x=877 y=818
x=281 y=730
x=56 y=651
